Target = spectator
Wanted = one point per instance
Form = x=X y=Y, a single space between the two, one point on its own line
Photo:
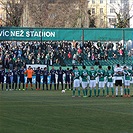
x=79 y=50
x=69 y=55
x=11 y=64
x=55 y=52
x=93 y=57
x=96 y=62
x=121 y=52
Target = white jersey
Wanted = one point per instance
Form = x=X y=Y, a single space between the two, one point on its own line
x=117 y=73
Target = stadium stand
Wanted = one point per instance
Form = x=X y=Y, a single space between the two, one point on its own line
x=63 y=53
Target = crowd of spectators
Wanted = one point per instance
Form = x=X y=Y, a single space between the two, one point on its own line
x=103 y=51
x=56 y=52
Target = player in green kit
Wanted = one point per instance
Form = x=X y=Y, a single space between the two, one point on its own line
x=110 y=85
x=76 y=82
x=101 y=84
x=92 y=83
x=127 y=77
x=84 y=76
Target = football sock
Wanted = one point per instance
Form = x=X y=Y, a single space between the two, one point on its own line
x=19 y=85
x=2 y=86
x=112 y=91
x=74 y=92
x=15 y=85
x=36 y=85
x=31 y=86
x=69 y=86
x=128 y=90
x=84 y=92
x=50 y=86
x=26 y=85
x=107 y=91
x=39 y=85
x=78 y=92
x=46 y=86
x=62 y=85
x=121 y=91
x=6 y=86
x=116 y=91
x=23 y=85
x=90 y=92
x=103 y=92
x=43 y=86
x=58 y=86
x=125 y=91
x=66 y=86
x=9 y=86
x=54 y=86
x=98 y=92
x=95 y=91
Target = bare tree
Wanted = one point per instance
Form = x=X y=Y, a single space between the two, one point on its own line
x=83 y=13
x=48 y=13
x=13 y=11
x=63 y=14
x=92 y=21
x=38 y=10
x=71 y=13
x=58 y=13
x=51 y=13
x=122 y=14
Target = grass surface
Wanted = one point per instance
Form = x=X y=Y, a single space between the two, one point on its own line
x=54 y=112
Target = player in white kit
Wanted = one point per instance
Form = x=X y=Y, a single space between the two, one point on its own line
x=118 y=73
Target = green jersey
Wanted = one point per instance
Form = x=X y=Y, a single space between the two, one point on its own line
x=84 y=75
x=127 y=74
x=76 y=74
x=101 y=74
x=109 y=75
x=92 y=74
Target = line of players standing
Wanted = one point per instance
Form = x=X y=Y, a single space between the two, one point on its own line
x=118 y=74
x=73 y=78
x=15 y=84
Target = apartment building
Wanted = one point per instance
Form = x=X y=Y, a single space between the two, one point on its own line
x=2 y=13
x=99 y=11
x=131 y=13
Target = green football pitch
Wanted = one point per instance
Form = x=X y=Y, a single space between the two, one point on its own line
x=54 y=112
